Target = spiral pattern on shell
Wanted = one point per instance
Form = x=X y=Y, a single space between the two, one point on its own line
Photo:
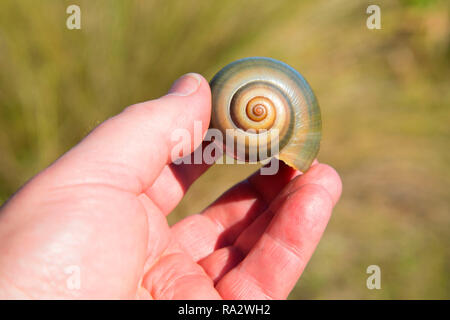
x=262 y=105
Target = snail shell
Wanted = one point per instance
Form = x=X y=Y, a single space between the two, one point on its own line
x=268 y=106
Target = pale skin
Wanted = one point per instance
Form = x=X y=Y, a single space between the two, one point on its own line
x=102 y=207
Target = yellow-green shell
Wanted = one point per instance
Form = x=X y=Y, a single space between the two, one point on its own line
x=265 y=94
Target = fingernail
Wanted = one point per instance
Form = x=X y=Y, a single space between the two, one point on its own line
x=186 y=85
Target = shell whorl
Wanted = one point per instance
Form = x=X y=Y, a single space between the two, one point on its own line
x=266 y=105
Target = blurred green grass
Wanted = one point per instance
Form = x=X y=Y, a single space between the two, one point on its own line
x=384 y=96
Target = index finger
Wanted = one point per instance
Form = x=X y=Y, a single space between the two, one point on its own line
x=277 y=260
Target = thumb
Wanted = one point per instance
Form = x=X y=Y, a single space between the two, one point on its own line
x=130 y=150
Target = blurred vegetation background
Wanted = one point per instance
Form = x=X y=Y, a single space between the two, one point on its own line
x=384 y=96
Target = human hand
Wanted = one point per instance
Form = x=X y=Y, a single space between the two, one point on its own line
x=102 y=207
